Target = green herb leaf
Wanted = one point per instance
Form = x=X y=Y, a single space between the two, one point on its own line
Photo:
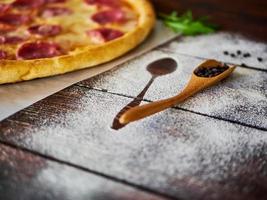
x=187 y=25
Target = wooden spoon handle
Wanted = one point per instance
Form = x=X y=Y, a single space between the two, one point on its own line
x=146 y=110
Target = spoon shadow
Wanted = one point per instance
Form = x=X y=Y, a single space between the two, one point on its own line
x=156 y=69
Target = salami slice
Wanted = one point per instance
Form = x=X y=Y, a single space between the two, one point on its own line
x=109 y=16
x=14 y=19
x=102 y=35
x=3 y=54
x=55 y=11
x=37 y=50
x=108 y=3
x=25 y=4
x=45 y=30
x=55 y=1
x=2 y=39
x=4 y=7
x=11 y=39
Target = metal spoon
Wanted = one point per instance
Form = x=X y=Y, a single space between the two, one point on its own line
x=196 y=84
x=157 y=68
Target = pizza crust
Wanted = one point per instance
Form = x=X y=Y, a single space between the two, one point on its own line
x=21 y=70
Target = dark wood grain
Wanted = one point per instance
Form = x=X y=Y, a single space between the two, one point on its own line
x=27 y=176
x=243 y=16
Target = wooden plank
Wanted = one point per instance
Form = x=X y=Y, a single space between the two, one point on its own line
x=239 y=50
x=241 y=98
x=178 y=153
x=27 y=176
x=246 y=17
x=249 y=8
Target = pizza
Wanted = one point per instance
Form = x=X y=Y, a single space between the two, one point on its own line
x=41 y=38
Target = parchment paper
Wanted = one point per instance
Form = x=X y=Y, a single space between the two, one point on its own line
x=14 y=97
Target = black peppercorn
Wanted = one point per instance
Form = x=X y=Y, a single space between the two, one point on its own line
x=233 y=55
x=259 y=59
x=246 y=55
x=226 y=53
x=210 y=71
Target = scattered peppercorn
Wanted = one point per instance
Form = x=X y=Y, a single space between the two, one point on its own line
x=246 y=55
x=259 y=59
x=210 y=71
x=238 y=52
x=226 y=53
x=233 y=55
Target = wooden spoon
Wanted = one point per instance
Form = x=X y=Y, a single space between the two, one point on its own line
x=198 y=82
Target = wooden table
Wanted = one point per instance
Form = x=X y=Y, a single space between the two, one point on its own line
x=211 y=147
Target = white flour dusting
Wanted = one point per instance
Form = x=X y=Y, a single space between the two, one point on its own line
x=214 y=45
x=158 y=152
x=62 y=182
x=242 y=97
x=33 y=177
